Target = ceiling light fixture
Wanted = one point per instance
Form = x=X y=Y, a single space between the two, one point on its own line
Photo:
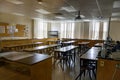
x=40 y=1
x=60 y=17
x=68 y=9
x=116 y=14
x=42 y=11
x=15 y=1
x=19 y=14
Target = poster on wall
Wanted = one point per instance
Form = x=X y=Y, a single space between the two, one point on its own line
x=11 y=29
x=2 y=29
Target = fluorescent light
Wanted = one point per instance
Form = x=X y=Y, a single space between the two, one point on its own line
x=19 y=14
x=15 y=1
x=116 y=4
x=42 y=11
x=86 y=20
x=38 y=19
x=116 y=14
x=115 y=19
x=69 y=9
x=40 y=1
x=60 y=17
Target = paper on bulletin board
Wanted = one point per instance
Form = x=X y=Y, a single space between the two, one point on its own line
x=2 y=29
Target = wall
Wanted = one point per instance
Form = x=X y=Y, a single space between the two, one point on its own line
x=14 y=19
x=79 y=30
x=115 y=30
x=108 y=69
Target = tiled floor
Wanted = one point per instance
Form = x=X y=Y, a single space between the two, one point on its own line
x=69 y=72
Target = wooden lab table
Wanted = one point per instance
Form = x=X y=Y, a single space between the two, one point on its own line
x=42 y=49
x=39 y=66
x=18 y=47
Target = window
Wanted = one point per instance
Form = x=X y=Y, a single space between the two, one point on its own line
x=98 y=30
x=79 y=30
x=40 y=30
x=94 y=30
x=105 y=30
x=67 y=30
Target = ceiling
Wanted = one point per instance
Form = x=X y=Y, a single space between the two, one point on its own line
x=62 y=9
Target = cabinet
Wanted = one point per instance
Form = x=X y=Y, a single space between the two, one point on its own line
x=35 y=67
x=108 y=69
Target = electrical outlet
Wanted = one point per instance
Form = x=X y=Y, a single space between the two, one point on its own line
x=118 y=65
x=101 y=63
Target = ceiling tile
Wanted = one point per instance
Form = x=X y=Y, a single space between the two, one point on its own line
x=88 y=8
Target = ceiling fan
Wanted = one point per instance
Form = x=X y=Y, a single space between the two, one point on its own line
x=78 y=16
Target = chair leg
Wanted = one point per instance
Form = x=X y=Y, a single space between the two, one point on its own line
x=77 y=77
x=94 y=73
x=80 y=74
x=84 y=73
x=90 y=74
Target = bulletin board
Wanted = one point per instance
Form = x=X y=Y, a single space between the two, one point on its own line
x=3 y=29
x=19 y=30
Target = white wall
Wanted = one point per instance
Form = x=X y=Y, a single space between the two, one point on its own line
x=115 y=30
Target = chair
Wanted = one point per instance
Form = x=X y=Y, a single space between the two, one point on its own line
x=65 y=57
x=86 y=65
